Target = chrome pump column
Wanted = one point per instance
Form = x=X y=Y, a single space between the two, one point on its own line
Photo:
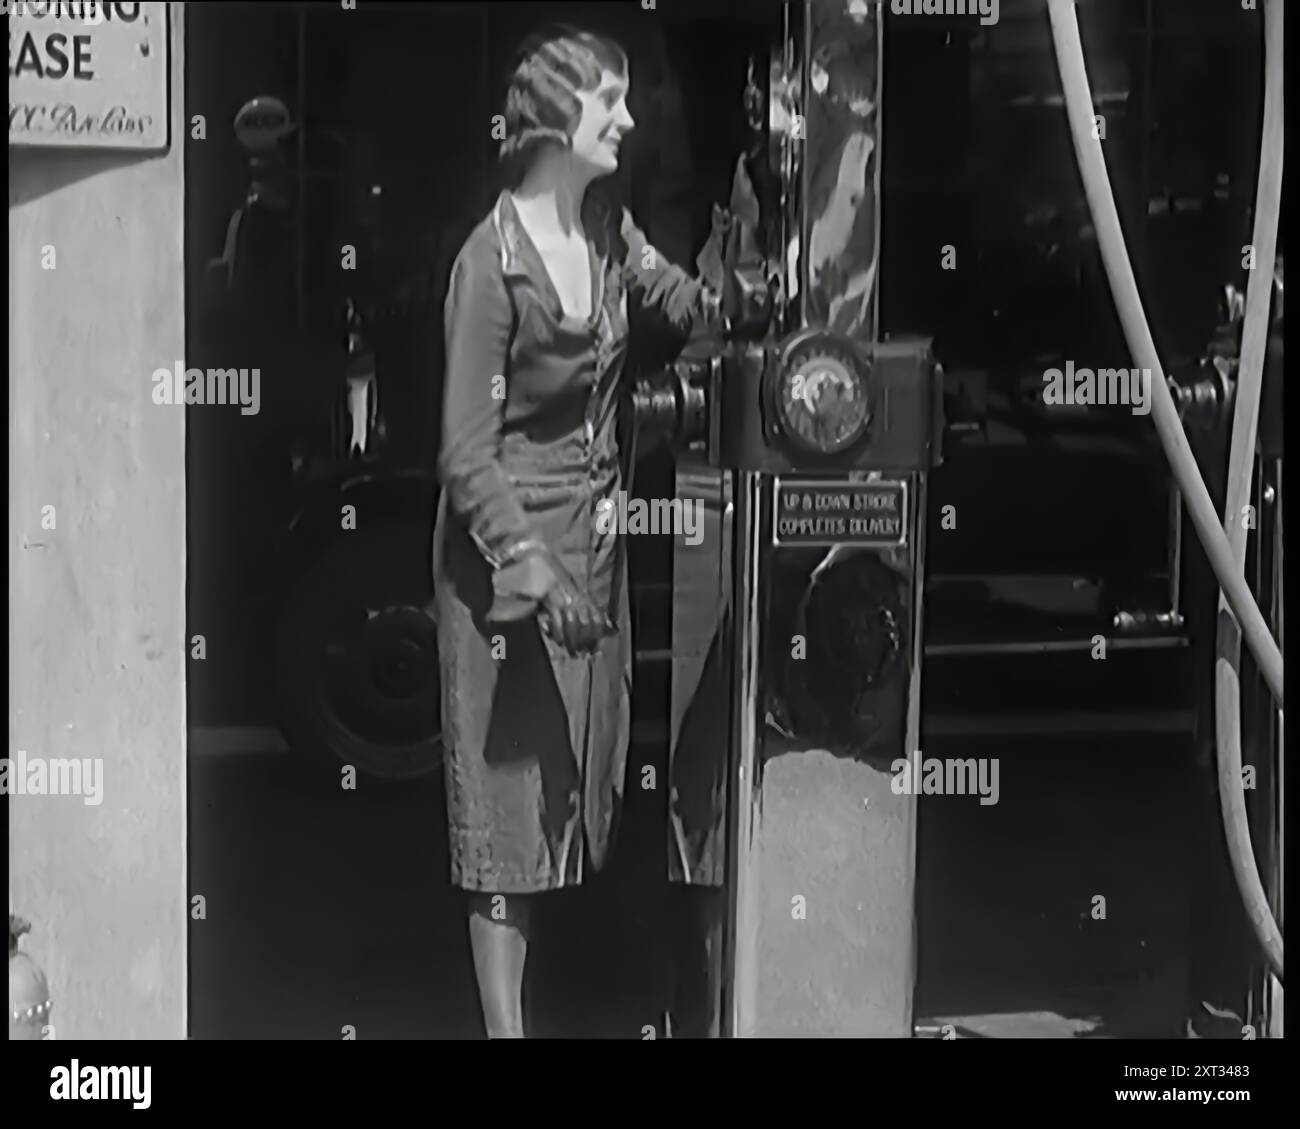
x=797 y=617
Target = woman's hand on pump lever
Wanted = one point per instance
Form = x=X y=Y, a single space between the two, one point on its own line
x=732 y=266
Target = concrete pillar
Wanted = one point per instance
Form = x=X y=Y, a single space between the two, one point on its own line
x=97 y=643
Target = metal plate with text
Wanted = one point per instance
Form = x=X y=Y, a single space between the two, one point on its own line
x=838 y=512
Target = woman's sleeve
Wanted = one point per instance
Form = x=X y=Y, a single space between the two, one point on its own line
x=478 y=325
x=661 y=285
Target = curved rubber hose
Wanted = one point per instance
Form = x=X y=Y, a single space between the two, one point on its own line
x=1241 y=462
x=1233 y=588
x=1110 y=236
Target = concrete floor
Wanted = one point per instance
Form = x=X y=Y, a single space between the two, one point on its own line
x=1009 y=945
x=328 y=908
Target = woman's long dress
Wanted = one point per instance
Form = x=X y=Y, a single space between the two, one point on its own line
x=536 y=739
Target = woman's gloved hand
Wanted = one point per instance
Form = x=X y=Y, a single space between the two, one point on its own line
x=732 y=264
x=535 y=583
x=570 y=617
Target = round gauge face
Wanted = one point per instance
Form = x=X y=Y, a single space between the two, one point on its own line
x=823 y=403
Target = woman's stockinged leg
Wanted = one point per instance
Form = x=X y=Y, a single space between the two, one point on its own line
x=498 y=934
x=698 y=915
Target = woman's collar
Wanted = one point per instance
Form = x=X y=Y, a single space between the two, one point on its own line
x=510 y=235
x=520 y=258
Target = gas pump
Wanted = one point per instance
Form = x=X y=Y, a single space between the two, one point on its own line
x=806 y=441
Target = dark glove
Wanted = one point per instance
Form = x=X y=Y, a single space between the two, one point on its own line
x=536 y=583
x=570 y=617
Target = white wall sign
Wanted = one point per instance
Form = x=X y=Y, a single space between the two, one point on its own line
x=88 y=75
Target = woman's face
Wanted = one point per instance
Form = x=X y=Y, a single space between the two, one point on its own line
x=602 y=124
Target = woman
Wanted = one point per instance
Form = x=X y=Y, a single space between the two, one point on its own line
x=532 y=601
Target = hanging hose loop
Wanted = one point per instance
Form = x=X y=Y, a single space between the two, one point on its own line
x=1226 y=551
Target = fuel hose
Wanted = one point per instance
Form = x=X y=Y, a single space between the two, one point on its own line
x=1226 y=550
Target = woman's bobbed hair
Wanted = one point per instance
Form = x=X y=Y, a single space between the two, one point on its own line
x=542 y=107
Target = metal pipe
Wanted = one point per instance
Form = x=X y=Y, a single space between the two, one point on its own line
x=742 y=924
x=300 y=267
x=1241 y=464
x=804 y=202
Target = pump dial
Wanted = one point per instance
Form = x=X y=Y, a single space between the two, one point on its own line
x=822 y=395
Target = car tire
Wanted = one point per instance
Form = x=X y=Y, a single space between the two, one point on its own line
x=356 y=659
